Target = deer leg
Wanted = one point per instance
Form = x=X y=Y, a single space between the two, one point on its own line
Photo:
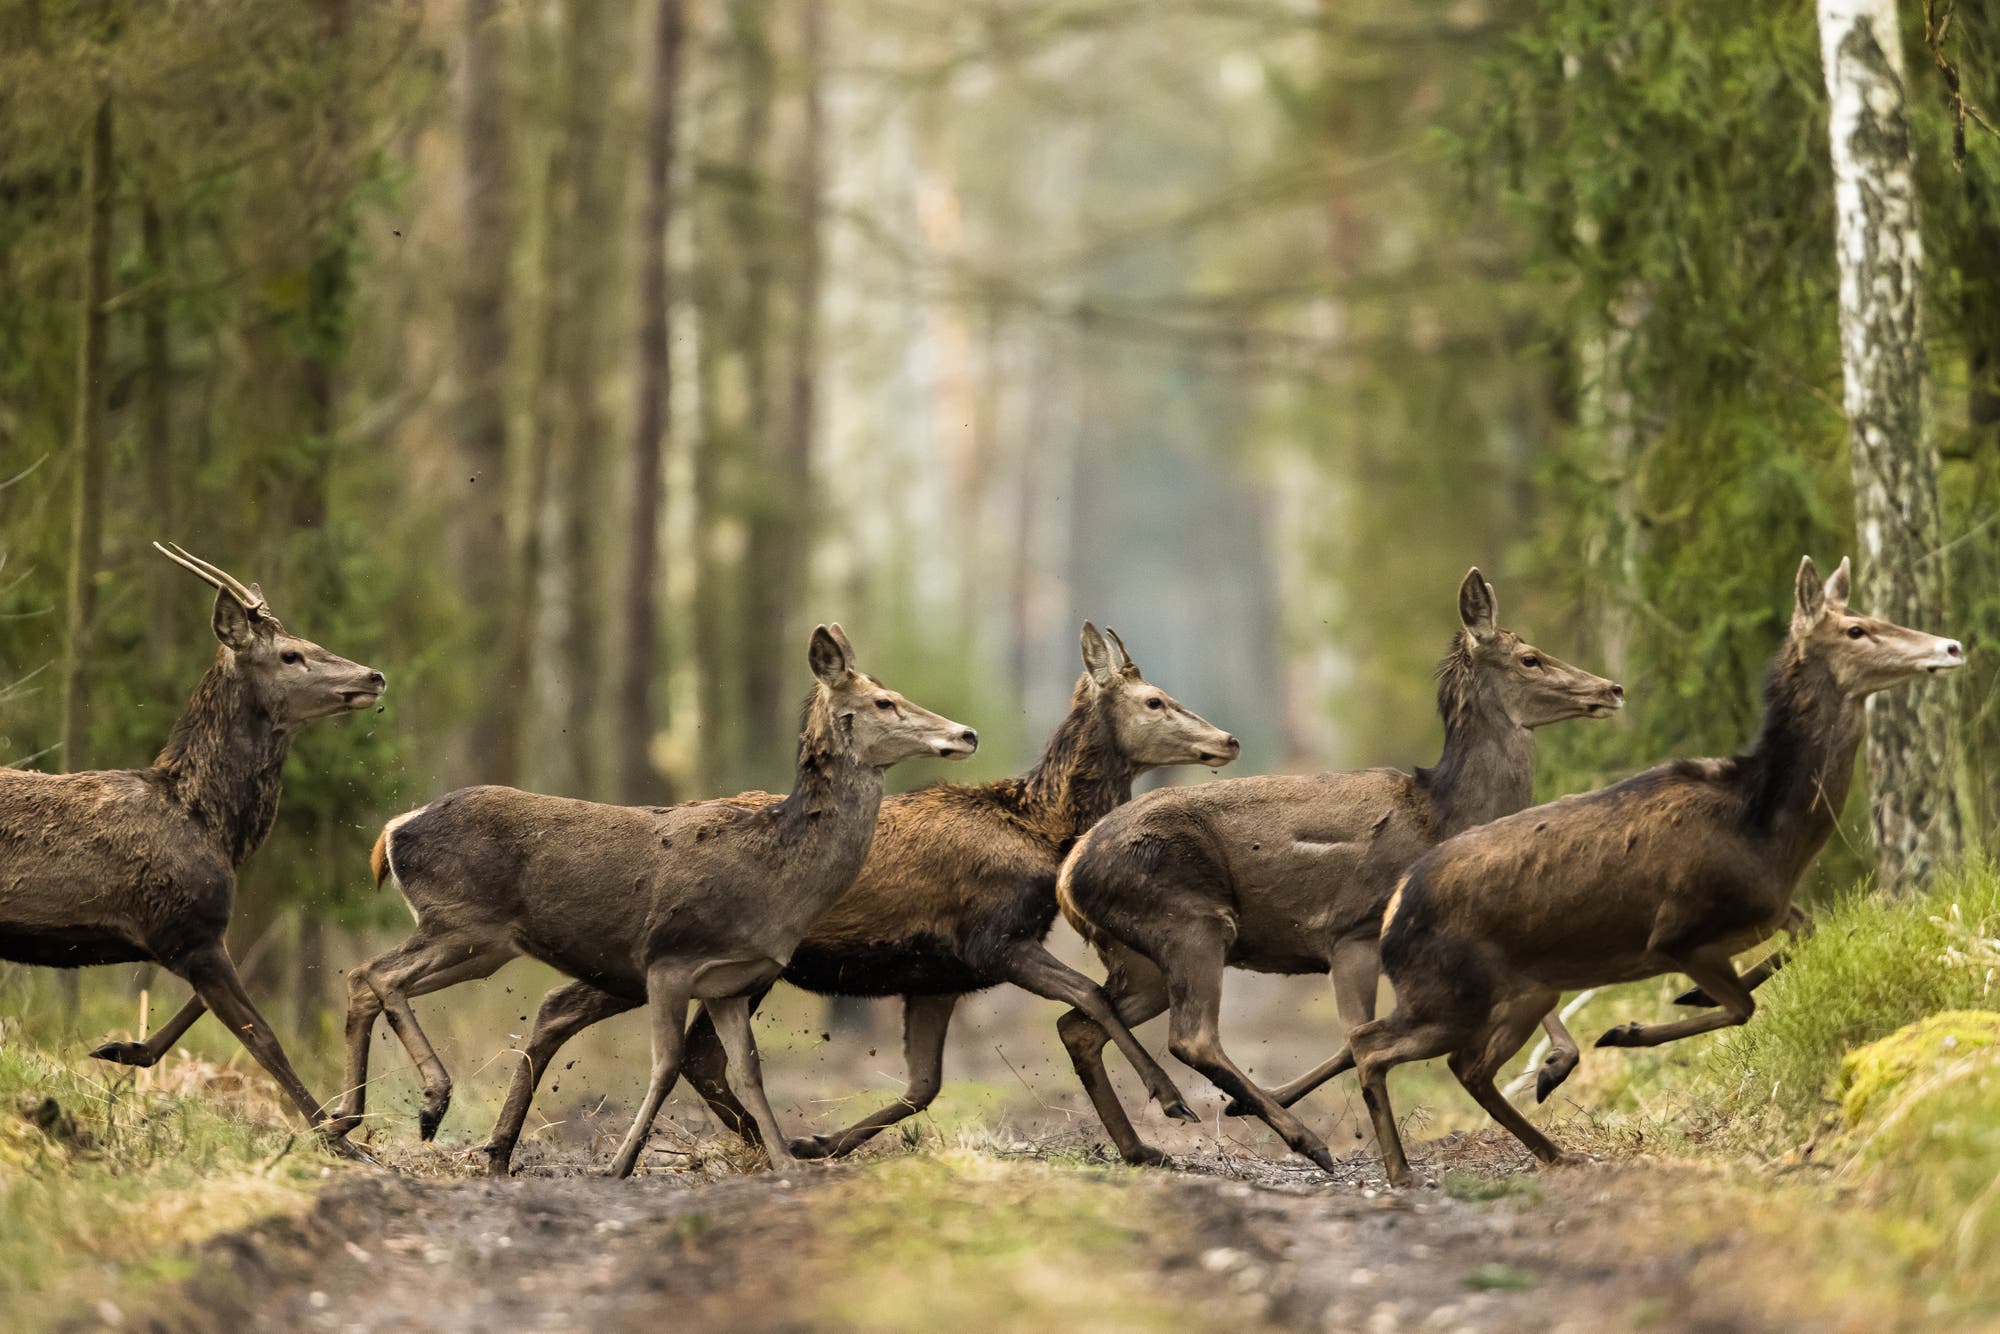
x=667 y=992
x=1798 y=923
x=706 y=1066
x=214 y=979
x=1561 y=1060
x=1715 y=974
x=566 y=1011
x=1033 y=968
x=1357 y=972
x=926 y=1019
x=732 y=1024
x=155 y=1048
x=1475 y=1069
x=1135 y=999
x=1194 y=986
x=420 y=965
x=1380 y=1046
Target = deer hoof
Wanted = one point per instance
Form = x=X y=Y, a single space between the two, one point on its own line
x=1696 y=997
x=1179 y=1110
x=812 y=1146
x=1238 y=1107
x=1323 y=1159
x=339 y=1127
x=342 y=1147
x=125 y=1053
x=427 y=1123
x=1144 y=1155
x=499 y=1161
x=1620 y=1036
x=1551 y=1077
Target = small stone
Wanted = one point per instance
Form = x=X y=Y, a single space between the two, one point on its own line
x=317 y=1300
x=1222 y=1259
x=1361 y=1278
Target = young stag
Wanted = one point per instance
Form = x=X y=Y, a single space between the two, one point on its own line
x=1290 y=873
x=138 y=865
x=655 y=905
x=958 y=893
x=1673 y=870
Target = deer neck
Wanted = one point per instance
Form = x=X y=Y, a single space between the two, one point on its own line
x=1081 y=775
x=1487 y=769
x=1799 y=769
x=224 y=763
x=832 y=791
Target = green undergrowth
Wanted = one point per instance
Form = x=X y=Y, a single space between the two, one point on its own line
x=109 y=1178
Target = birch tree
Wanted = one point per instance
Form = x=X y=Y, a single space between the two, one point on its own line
x=1891 y=454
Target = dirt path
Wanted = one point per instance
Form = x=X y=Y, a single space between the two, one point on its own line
x=917 y=1242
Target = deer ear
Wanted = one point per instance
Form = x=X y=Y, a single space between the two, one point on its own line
x=840 y=638
x=1096 y=655
x=1478 y=605
x=1838 y=585
x=233 y=625
x=1809 y=597
x=831 y=662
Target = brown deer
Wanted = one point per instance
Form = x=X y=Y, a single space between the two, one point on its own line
x=655 y=905
x=957 y=895
x=1676 y=869
x=139 y=865
x=1290 y=873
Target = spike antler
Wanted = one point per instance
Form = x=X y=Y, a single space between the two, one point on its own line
x=250 y=601
x=1123 y=652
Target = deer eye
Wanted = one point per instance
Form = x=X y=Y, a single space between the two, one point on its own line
x=885 y=703
x=1531 y=661
x=292 y=657
x=1155 y=703
x=1855 y=632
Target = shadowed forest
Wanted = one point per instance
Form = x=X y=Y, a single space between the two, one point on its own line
x=569 y=362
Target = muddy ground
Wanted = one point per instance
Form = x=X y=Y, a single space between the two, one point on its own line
x=1233 y=1241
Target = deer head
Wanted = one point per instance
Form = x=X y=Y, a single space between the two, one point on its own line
x=880 y=727
x=1532 y=688
x=1151 y=728
x=295 y=680
x=1863 y=654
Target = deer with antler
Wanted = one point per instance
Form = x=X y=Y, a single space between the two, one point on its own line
x=139 y=865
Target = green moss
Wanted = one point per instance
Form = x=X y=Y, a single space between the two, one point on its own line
x=1874 y=1077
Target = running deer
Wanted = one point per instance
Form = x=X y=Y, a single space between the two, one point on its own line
x=957 y=895
x=1290 y=873
x=654 y=905
x=1676 y=869
x=139 y=865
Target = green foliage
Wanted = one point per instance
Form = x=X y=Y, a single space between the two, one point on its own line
x=1872 y=966
x=105 y=1183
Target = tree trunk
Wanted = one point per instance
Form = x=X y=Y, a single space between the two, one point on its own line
x=637 y=780
x=598 y=35
x=480 y=324
x=1892 y=456
x=87 y=466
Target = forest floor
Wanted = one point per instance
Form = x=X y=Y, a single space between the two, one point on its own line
x=1027 y=1235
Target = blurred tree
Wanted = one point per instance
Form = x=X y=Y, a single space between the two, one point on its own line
x=1880 y=247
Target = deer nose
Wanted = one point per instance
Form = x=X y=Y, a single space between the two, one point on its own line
x=377 y=680
x=968 y=736
x=1233 y=744
x=1617 y=691
x=1953 y=649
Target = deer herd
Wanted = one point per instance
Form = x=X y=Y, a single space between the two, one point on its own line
x=1480 y=909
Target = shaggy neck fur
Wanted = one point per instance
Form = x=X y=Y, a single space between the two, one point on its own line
x=1488 y=766
x=1796 y=774
x=225 y=760
x=829 y=777
x=1081 y=775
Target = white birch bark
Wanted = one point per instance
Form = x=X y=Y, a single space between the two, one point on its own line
x=1892 y=456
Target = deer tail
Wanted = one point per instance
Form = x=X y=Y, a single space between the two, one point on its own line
x=379 y=859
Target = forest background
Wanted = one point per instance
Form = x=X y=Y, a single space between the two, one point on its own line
x=569 y=361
